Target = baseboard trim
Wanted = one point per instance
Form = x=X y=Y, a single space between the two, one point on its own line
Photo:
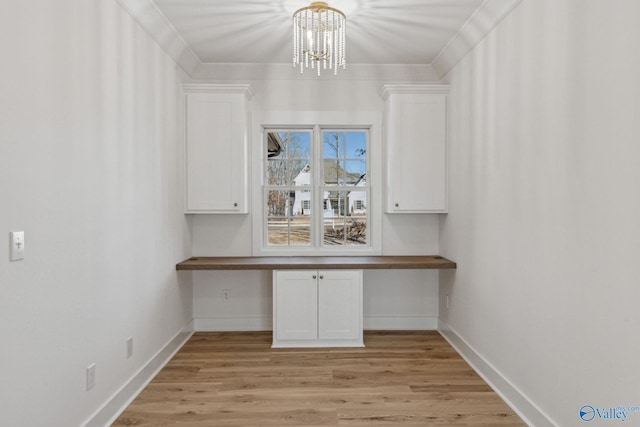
x=233 y=324
x=401 y=323
x=111 y=410
x=377 y=323
x=521 y=405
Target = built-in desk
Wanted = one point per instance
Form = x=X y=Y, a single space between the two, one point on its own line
x=317 y=262
x=317 y=302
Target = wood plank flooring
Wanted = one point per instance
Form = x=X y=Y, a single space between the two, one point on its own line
x=236 y=379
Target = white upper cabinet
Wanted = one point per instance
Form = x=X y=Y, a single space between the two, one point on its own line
x=217 y=138
x=415 y=140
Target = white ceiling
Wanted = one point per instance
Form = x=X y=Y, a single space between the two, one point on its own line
x=436 y=32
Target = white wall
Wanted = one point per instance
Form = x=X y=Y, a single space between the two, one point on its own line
x=392 y=300
x=544 y=206
x=90 y=170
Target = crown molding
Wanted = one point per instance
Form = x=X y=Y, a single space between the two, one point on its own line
x=354 y=72
x=156 y=24
x=478 y=26
x=241 y=89
x=387 y=90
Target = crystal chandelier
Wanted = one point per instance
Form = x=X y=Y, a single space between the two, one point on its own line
x=318 y=38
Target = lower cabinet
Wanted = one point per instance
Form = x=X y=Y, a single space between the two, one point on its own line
x=317 y=308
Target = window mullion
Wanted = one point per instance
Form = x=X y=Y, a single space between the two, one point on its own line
x=316 y=179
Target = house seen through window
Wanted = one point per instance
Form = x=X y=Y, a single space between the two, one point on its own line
x=316 y=192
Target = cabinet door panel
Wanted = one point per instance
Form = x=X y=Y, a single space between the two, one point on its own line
x=216 y=153
x=340 y=305
x=416 y=149
x=296 y=305
x=421 y=154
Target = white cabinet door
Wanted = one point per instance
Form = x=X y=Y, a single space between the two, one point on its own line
x=216 y=149
x=317 y=308
x=416 y=148
x=295 y=307
x=339 y=306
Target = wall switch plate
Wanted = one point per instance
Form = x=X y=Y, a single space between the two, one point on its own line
x=17 y=245
x=129 y=347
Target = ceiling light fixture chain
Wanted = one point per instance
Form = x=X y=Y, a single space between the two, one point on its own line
x=319 y=38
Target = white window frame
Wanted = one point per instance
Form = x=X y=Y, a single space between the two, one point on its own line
x=326 y=120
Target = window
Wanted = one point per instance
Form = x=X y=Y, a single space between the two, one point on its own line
x=315 y=188
x=290 y=195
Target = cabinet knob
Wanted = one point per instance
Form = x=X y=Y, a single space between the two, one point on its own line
x=235 y=205
x=321 y=276
x=315 y=277
x=397 y=205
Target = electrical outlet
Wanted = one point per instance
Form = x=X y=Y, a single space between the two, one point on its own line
x=17 y=245
x=226 y=295
x=447 y=301
x=91 y=376
x=129 y=347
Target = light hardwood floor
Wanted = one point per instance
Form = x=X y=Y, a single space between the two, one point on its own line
x=237 y=379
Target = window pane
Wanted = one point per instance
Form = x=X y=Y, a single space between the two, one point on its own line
x=276 y=172
x=356 y=144
x=344 y=157
x=333 y=145
x=279 y=203
x=300 y=172
x=289 y=217
x=289 y=145
x=277 y=231
x=300 y=231
x=345 y=218
x=355 y=171
x=276 y=146
x=299 y=145
x=301 y=203
x=288 y=158
x=333 y=172
x=289 y=231
x=357 y=231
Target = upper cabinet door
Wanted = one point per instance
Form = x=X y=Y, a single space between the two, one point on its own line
x=216 y=148
x=416 y=148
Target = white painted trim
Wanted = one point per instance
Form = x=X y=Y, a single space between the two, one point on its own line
x=265 y=323
x=386 y=90
x=235 y=324
x=478 y=26
x=159 y=28
x=246 y=90
x=400 y=323
x=318 y=343
x=371 y=120
x=354 y=72
x=522 y=406
x=112 y=409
